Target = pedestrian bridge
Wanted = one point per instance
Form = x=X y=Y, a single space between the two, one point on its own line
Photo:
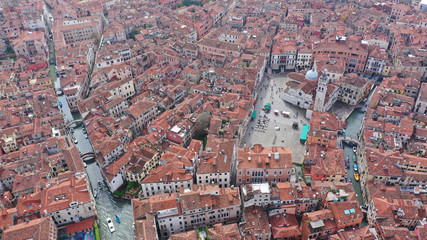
x=348 y=139
x=75 y=121
x=87 y=156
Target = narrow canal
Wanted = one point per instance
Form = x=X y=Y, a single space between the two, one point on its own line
x=106 y=206
x=354 y=121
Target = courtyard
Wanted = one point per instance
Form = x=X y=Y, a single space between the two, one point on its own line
x=270 y=129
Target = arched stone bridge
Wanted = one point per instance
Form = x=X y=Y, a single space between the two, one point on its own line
x=87 y=156
x=75 y=121
x=348 y=139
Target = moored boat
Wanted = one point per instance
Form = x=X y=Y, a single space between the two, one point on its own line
x=356 y=176
x=110 y=225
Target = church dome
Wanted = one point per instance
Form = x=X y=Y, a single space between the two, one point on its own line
x=312 y=75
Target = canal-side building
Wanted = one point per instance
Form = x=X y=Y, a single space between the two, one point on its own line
x=38 y=229
x=108 y=151
x=114 y=173
x=381 y=165
x=67 y=201
x=353 y=88
x=330 y=166
x=29 y=44
x=69 y=31
x=179 y=212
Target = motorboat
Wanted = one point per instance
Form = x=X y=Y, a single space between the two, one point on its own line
x=355 y=159
x=60 y=104
x=84 y=164
x=110 y=225
x=86 y=136
x=72 y=130
x=356 y=176
x=355 y=167
x=346 y=163
x=117 y=218
x=354 y=149
x=76 y=141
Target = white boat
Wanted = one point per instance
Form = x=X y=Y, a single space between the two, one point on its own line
x=84 y=164
x=75 y=141
x=110 y=225
x=354 y=149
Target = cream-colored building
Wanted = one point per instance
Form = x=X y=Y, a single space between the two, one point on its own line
x=353 y=89
x=124 y=88
x=9 y=143
x=80 y=29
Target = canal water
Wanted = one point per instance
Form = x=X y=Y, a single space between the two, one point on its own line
x=106 y=206
x=354 y=121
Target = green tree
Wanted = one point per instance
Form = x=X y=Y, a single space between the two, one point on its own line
x=133 y=33
x=202 y=123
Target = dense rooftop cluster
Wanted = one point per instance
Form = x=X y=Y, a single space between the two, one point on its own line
x=166 y=90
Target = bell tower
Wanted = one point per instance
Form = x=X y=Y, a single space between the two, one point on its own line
x=321 y=91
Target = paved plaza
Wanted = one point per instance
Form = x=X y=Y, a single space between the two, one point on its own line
x=269 y=129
